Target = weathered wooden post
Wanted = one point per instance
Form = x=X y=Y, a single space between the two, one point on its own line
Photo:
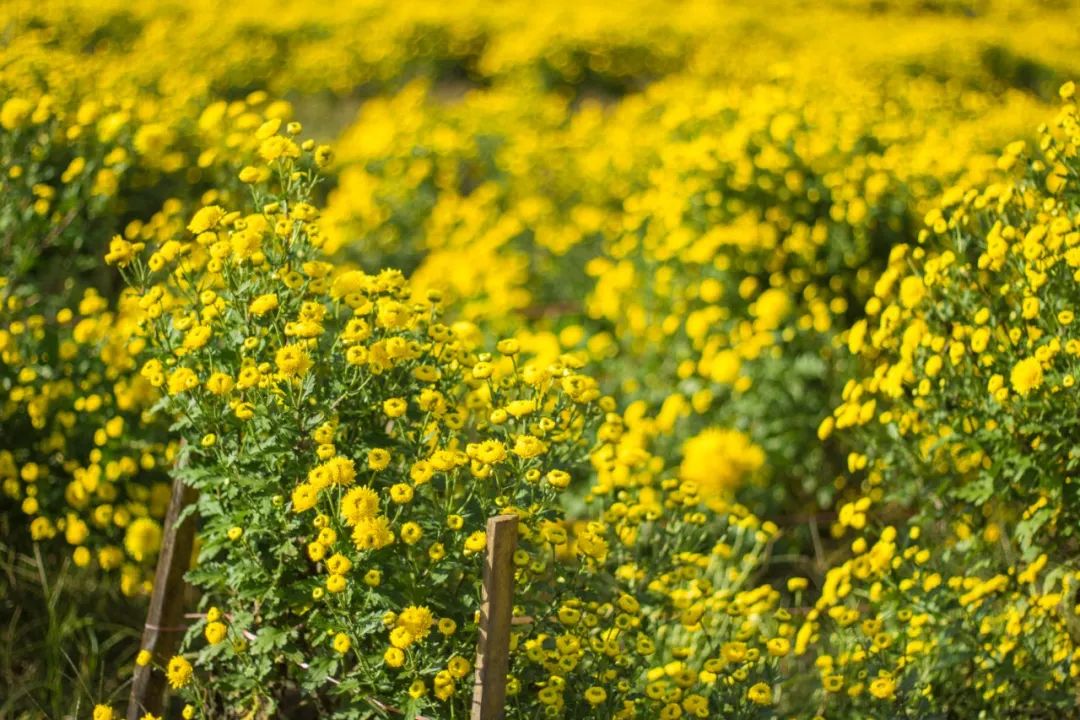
x=493 y=647
x=163 y=629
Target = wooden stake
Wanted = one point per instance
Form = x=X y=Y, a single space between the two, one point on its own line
x=164 y=628
x=493 y=648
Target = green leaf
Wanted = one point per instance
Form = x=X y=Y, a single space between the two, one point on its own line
x=269 y=638
x=977 y=491
x=1026 y=530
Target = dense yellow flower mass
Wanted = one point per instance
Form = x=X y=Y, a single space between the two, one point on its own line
x=759 y=318
x=717 y=461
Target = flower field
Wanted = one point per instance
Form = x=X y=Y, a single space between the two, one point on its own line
x=758 y=315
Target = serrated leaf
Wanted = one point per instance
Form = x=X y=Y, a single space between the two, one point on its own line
x=269 y=638
x=976 y=491
x=1026 y=530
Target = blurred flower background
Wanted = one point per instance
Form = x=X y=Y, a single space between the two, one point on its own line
x=757 y=313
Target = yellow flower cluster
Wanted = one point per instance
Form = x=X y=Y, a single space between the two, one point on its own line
x=357 y=372
x=898 y=609
x=88 y=465
x=348 y=390
x=721 y=235
x=962 y=412
x=970 y=340
x=679 y=599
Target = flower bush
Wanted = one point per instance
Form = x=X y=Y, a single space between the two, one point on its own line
x=969 y=341
x=652 y=241
x=349 y=448
x=89 y=464
x=962 y=426
x=904 y=627
x=90 y=467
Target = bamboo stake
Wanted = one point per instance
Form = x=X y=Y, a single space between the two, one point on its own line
x=164 y=628
x=493 y=647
